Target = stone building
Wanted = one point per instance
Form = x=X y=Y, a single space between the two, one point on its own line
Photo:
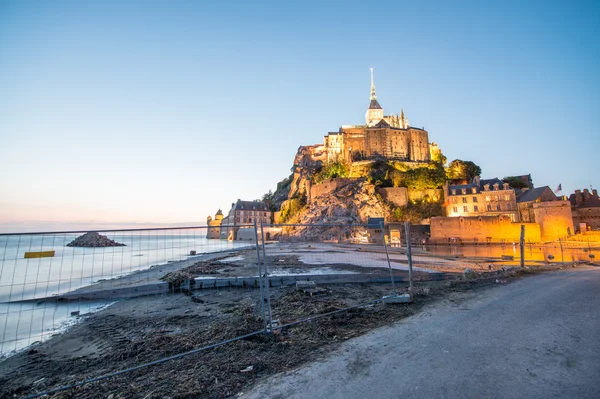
x=243 y=214
x=390 y=137
x=489 y=197
x=585 y=207
x=540 y=205
x=214 y=225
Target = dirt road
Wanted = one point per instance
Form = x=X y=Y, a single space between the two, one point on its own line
x=533 y=338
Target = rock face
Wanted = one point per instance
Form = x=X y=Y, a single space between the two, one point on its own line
x=307 y=160
x=351 y=204
x=93 y=239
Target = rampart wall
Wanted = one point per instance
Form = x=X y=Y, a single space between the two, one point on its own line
x=481 y=229
x=328 y=186
x=400 y=196
x=555 y=219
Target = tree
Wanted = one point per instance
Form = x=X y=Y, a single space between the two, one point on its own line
x=515 y=182
x=331 y=171
x=439 y=158
x=462 y=170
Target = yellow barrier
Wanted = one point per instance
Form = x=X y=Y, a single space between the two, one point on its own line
x=42 y=254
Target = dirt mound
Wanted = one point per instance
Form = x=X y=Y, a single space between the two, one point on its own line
x=93 y=239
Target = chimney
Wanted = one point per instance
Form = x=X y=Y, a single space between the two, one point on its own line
x=586 y=194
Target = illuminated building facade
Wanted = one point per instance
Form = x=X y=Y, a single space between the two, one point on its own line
x=381 y=136
x=482 y=198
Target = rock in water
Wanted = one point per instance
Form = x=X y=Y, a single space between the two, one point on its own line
x=93 y=239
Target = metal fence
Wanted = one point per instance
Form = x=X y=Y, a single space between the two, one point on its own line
x=73 y=316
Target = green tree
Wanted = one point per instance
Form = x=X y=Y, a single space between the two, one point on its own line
x=332 y=170
x=462 y=170
x=515 y=182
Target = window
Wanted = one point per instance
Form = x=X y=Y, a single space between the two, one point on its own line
x=498 y=207
x=474 y=199
x=507 y=197
x=464 y=190
x=488 y=198
x=455 y=209
x=453 y=192
x=465 y=209
x=464 y=200
x=489 y=207
x=474 y=191
x=475 y=208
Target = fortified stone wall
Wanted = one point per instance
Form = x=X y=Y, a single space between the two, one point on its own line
x=396 y=195
x=555 y=219
x=481 y=229
x=400 y=196
x=589 y=216
x=328 y=186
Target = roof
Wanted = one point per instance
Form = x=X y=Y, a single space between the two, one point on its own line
x=461 y=186
x=532 y=194
x=491 y=182
x=374 y=105
x=375 y=223
x=382 y=123
x=250 y=205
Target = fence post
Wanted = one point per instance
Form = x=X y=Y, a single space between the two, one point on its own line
x=562 y=254
x=262 y=296
x=522 y=245
x=387 y=255
x=267 y=289
x=409 y=257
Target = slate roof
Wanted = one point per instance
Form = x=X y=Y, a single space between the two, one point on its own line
x=382 y=123
x=491 y=182
x=251 y=205
x=374 y=105
x=532 y=194
x=374 y=223
x=461 y=186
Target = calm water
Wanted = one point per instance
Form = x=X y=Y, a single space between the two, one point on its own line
x=71 y=268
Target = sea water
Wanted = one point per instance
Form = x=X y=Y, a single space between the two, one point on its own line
x=23 y=320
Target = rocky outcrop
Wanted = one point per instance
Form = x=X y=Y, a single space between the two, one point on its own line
x=307 y=161
x=351 y=204
x=93 y=239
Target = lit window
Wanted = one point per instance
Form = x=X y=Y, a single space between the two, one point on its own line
x=473 y=191
x=488 y=198
x=507 y=197
x=465 y=209
x=455 y=209
x=464 y=200
x=464 y=190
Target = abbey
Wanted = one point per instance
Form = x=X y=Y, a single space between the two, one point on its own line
x=381 y=136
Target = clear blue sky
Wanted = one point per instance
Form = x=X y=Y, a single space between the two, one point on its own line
x=163 y=112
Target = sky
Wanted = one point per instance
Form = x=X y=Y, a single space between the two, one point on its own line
x=128 y=113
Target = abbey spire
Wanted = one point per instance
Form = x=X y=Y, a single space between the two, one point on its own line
x=373 y=93
x=375 y=112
